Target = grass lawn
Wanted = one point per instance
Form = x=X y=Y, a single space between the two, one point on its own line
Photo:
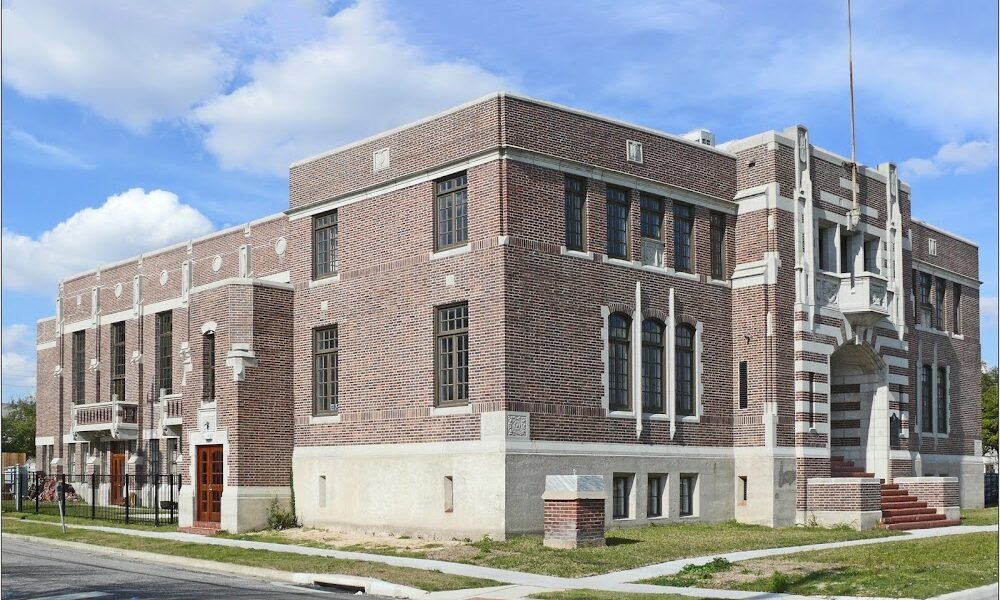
x=911 y=569
x=72 y=520
x=979 y=516
x=626 y=548
x=432 y=581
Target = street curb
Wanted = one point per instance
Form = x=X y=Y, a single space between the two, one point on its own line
x=366 y=584
x=986 y=592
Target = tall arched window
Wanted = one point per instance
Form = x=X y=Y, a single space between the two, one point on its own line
x=684 y=353
x=619 y=350
x=652 y=366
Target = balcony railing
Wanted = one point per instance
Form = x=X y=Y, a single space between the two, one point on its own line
x=864 y=298
x=118 y=418
x=170 y=410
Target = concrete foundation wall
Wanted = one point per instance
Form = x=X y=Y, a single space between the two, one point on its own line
x=968 y=469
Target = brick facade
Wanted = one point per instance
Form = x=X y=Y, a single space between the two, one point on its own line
x=538 y=322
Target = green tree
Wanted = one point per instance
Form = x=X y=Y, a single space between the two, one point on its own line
x=18 y=433
x=991 y=388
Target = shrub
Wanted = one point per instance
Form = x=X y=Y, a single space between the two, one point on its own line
x=777 y=583
x=278 y=517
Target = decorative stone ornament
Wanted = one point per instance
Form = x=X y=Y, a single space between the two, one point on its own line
x=118 y=290
x=240 y=358
x=185 y=354
x=57 y=371
x=217 y=263
x=280 y=246
x=136 y=358
x=164 y=277
x=95 y=365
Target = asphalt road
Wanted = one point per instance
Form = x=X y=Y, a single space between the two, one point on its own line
x=38 y=571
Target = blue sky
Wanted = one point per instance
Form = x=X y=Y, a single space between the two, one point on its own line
x=128 y=126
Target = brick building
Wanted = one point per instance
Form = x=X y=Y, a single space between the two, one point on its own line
x=452 y=310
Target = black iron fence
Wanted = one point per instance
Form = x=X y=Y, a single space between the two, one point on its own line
x=148 y=499
x=990 y=489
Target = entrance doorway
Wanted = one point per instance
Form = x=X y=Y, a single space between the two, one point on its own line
x=210 y=483
x=117 y=479
x=860 y=420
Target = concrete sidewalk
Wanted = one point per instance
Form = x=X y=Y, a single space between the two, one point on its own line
x=522 y=584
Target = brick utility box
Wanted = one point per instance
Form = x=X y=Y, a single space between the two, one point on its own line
x=574 y=510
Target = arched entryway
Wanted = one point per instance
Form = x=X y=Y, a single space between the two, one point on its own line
x=859 y=408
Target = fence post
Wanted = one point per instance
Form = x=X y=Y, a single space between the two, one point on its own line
x=156 y=498
x=62 y=492
x=171 y=477
x=18 y=490
x=93 y=495
x=126 y=498
x=38 y=492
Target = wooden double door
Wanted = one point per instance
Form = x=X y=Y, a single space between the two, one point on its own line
x=209 y=484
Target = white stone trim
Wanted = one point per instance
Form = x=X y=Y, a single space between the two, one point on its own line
x=943 y=273
x=45 y=440
x=315 y=283
x=815 y=367
x=45 y=345
x=281 y=277
x=844 y=203
x=445 y=411
x=457 y=251
x=324 y=419
x=819 y=387
x=243 y=281
x=576 y=253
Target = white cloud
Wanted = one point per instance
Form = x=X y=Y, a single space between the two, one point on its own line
x=953 y=158
x=130 y=62
x=38 y=152
x=125 y=225
x=17 y=359
x=988 y=310
x=360 y=77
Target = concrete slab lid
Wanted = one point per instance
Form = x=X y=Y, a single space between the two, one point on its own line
x=574 y=483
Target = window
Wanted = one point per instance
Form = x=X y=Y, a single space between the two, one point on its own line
x=325 y=245
x=164 y=351
x=718 y=245
x=939 y=288
x=622 y=485
x=684 y=355
x=926 y=400
x=871 y=255
x=79 y=367
x=847 y=252
x=618 y=209
x=826 y=254
x=154 y=458
x=956 y=309
x=932 y=246
x=451 y=204
x=924 y=298
x=208 y=364
x=452 y=325
x=576 y=201
x=326 y=399
x=744 y=385
x=633 y=151
x=449 y=494
x=651 y=216
x=688 y=483
x=652 y=366
x=172 y=456
x=619 y=349
x=744 y=488
x=118 y=360
x=683 y=226
x=82 y=463
x=942 y=400
x=654 y=495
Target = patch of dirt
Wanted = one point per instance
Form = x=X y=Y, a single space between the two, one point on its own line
x=338 y=539
x=747 y=571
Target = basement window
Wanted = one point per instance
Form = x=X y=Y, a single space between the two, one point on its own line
x=449 y=494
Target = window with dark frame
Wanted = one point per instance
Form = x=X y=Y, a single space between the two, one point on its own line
x=652 y=366
x=939 y=288
x=871 y=255
x=621 y=485
x=79 y=367
x=825 y=243
x=687 y=486
x=154 y=459
x=118 y=360
x=164 y=351
x=654 y=495
x=683 y=226
x=208 y=365
x=452 y=355
x=451 y=225
x=942 y=400
x=325 y=245
x=619 y=358
x=651 y=216
x=744 y=385
x=926 y=400
x=718 y=245
x=576 y=202
x=684 y=380
x=326 y=371
x=956 y=309
x=618 y=209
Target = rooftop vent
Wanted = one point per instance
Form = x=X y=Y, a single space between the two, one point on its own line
x=702 y=136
